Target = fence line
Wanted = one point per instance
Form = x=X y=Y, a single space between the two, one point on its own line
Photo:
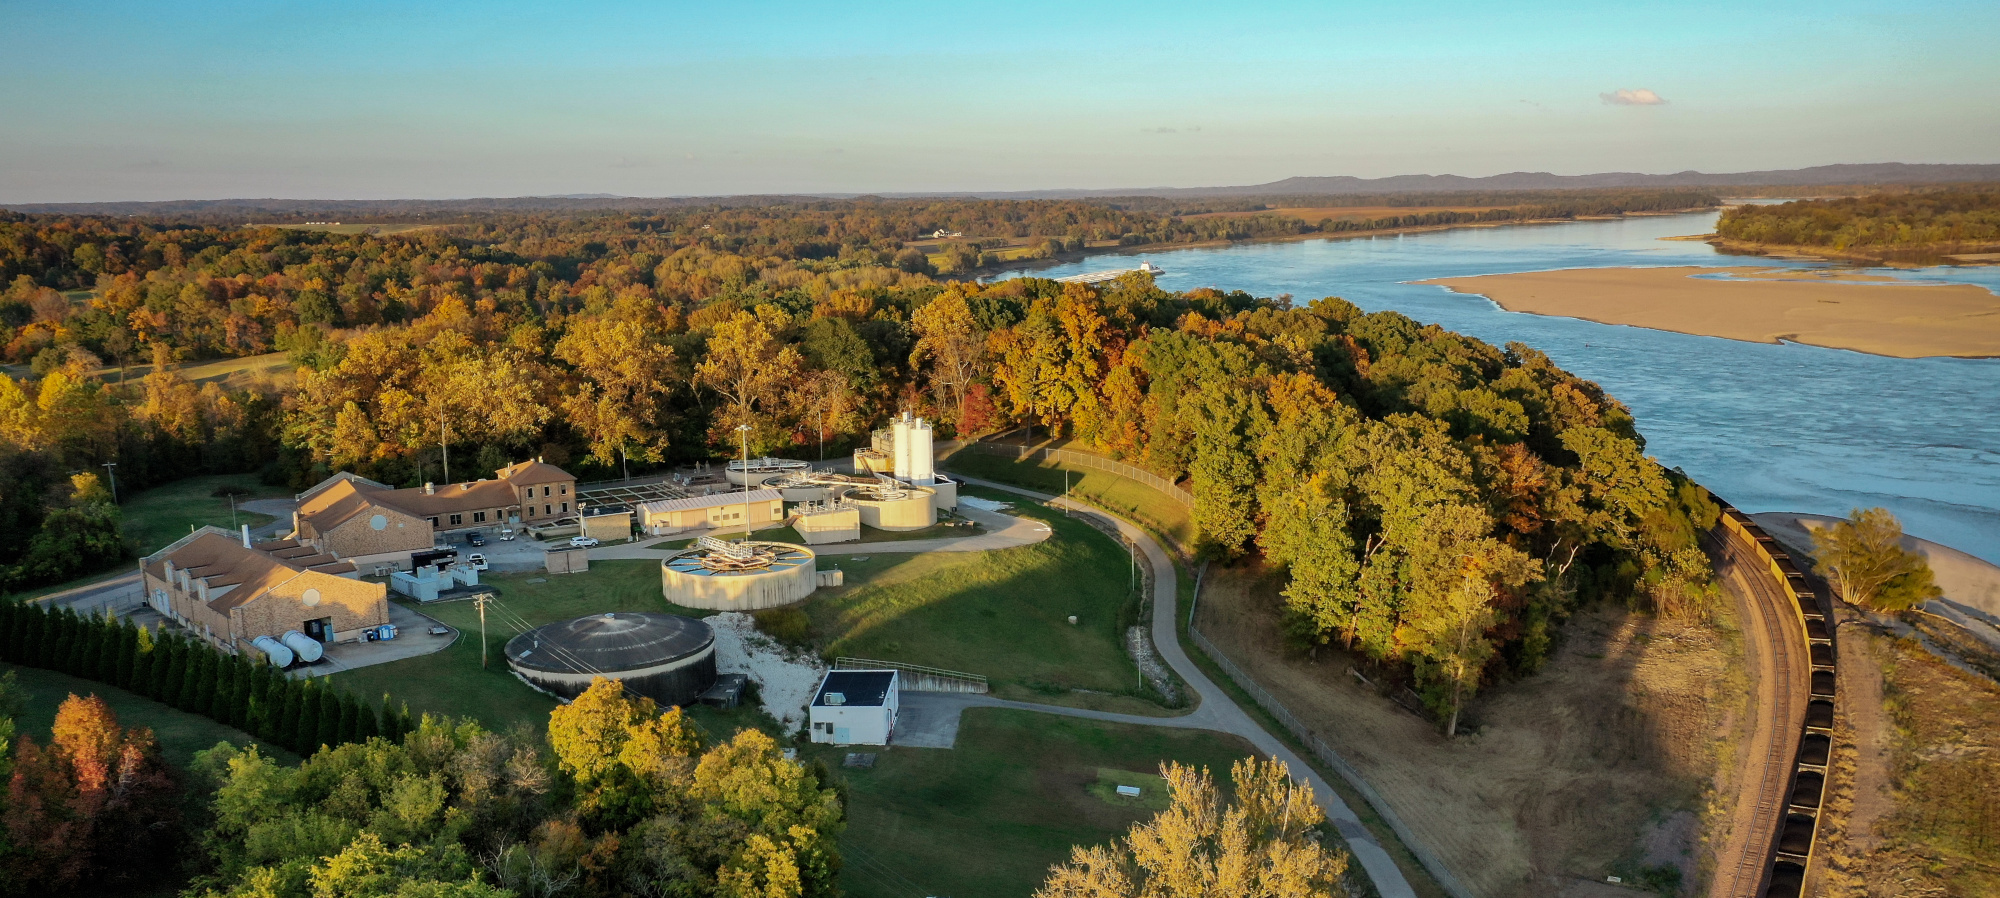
x=1086 y=460
x=927 y=679
x=1326 y=755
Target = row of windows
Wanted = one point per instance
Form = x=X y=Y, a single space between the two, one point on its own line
x=529 y=492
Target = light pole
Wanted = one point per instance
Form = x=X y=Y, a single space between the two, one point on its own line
x=111 y=467
x=743 y=433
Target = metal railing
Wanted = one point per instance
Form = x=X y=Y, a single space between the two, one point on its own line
x=1326 y=755
x=925 y=679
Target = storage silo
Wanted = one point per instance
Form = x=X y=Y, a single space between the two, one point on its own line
x=666 y=657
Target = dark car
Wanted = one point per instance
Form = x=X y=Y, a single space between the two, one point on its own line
x=475 y=538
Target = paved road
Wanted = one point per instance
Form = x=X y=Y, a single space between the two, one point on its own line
x=1216 y=710
x=1775 y=653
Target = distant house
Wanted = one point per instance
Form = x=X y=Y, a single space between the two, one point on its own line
x=722 y=510
x=373 y=524
x=230 y=590
x=855 y=707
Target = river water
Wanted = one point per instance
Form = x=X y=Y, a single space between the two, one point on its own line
x=1769 y=427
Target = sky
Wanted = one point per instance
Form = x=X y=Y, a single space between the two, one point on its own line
x=434 y=99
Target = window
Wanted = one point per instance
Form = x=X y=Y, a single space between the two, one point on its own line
x=545 y=491
x=545 y=510
x=565 y=506
x=479 y=517
x=564 y=489
x=434 y=522
x=457 y=519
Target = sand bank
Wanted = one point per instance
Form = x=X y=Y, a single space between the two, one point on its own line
x=1837 y=309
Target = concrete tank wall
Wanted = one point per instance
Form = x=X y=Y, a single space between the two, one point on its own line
x=915 y=511
x=749 y=591
x=839 y=526
x=675 y=682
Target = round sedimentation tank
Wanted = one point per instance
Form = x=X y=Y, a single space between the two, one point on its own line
x=889 y=505
x=666 y=657
x=762 y=470
x=740 y=576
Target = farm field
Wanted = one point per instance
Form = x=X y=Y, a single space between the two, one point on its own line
x=1129 y=498
x=353 y=228
x=180 y=734
x=986 y=819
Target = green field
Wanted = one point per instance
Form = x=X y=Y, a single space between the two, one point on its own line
x=181 y=734
x=989 y=817
x=160 y=515
x=1123 y=496
x=1003 y=614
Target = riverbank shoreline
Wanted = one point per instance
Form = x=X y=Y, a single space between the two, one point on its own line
x=1027 y=266
x=1925 y=257
x=1830 y=308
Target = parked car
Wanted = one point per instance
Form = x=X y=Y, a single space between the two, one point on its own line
x=582 y=542
x=506 y=533
x=477 y=561
x=475 y=538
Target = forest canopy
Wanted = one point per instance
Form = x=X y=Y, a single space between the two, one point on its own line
x=1941 y=220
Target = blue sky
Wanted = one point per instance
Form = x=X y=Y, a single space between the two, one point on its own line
x=105 y=101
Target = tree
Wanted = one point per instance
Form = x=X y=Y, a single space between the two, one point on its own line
x=624 y=371
x=1865 y=559
x=1263 y=845
x=96 y=804
x=949 y=337
x=748 y=368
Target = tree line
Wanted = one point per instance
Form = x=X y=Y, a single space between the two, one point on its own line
x=1932 y=219
x=618 y=799
x=186 y=673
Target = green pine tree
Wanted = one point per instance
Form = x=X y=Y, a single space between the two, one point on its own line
x=128 y=647
x=366 y=724
x=389 y=721
x=39 y=639
x=175 y=670
x=199 y=688
x=350 y=722
x=63 y=658
x=245 y=679
x=145 y=652
x=329 y=716
x=293 y=697
x=9 y=620
x=110 y=638
x=225 y=689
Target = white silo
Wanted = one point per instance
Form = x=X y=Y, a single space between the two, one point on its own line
x=921 y=471
x=901 y=429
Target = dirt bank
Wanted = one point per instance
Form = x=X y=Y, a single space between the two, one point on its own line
x=1601 y=764
x=1838 y=309
x=1967 y=580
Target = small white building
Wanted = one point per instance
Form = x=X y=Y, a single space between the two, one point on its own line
x=855 y=707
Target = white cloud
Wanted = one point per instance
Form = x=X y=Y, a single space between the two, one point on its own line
x=1627 y=96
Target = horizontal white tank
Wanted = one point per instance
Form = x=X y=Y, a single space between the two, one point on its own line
x=274 y=650
x=307 y=648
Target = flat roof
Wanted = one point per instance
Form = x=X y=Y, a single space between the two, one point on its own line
x=862 y=688
x=717 y=500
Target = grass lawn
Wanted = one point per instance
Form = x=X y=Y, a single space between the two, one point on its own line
x=1002 y=614
x=1121 y=495
x=989 y=817
x=180 y=734
x=451 y=682
x=158 y=516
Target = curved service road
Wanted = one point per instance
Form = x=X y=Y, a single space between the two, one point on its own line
x=1216 y=711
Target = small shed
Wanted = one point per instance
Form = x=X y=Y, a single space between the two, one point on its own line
x=566 y=561
x=855 y=707
x=608 y=523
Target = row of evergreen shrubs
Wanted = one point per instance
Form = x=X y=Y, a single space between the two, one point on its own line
x=243 y=691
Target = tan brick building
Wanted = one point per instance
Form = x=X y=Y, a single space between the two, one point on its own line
x=374 y=525
x=230 y=591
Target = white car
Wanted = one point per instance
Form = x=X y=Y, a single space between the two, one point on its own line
x=506 y=534
x=477 y=561
x=582 y=542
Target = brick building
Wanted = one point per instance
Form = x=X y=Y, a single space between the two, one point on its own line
x=374 y=525
x=230 y=591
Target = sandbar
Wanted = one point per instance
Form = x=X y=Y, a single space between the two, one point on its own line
x=1836 y=309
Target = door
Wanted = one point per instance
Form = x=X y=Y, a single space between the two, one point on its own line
x=840 y=736
x=321 y=630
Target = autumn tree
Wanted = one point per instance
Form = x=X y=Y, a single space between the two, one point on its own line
x=1865 y=558
x=623 y=376
x=750 y=370
x=1264 y=844
x=94 y=805
x=950 y=339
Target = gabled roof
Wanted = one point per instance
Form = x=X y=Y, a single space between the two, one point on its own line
x=718 y=500
x=537 y=471
x=238 y=575
x=334 y=503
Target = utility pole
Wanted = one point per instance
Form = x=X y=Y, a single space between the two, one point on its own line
x=232 y=511
x=444 y=447
x=112 y=468
x=479 y=601
x=743 y=432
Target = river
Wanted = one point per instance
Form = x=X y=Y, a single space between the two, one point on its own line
x=1769 y=427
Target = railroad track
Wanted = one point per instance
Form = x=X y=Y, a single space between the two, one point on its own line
x=1790 y=633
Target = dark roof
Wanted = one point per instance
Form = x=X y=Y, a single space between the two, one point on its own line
x=610 y=643
x=865 y=688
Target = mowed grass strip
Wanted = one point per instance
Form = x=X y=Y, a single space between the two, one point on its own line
x=1123 y=496
x=987 y=819
x=1003 y=614
x=180 y=734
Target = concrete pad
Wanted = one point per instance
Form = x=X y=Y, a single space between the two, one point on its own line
x=926 y=720
x=412 y=640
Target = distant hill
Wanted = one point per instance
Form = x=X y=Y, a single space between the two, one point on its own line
x=286 y=210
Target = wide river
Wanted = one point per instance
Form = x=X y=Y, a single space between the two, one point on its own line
x=1769 y=427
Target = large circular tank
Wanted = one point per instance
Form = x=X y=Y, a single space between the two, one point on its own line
x=762 y=470
x=894 y=506
x=666 y=657
x=742 y=576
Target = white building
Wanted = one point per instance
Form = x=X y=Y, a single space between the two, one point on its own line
x=855 y=707
x=720 y=511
